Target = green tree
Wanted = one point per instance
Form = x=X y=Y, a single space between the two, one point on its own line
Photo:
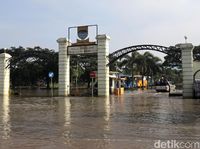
x=144 y=64
x=81 y=66
x=30 y=65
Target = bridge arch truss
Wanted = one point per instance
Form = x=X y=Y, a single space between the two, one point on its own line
x=120 y=53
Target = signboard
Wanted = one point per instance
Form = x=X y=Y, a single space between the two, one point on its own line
x=51 y=74
x=92 y=74
x=74 y=50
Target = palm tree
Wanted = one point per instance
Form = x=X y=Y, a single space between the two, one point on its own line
x=129 y=64
x=115 y=66
x=144 y=64
x=153 y=65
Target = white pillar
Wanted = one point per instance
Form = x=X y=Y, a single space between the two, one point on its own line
x=5 y=117
x=187 y=66
x=103 y=70
x=4 y=74
x=64 y=67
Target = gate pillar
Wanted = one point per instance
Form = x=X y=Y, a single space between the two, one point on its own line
x=187 y=66
x=64 y=67
x=103 y=70
x=4 y=74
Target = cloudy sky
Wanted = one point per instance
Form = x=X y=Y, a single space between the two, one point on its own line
x=128 y=22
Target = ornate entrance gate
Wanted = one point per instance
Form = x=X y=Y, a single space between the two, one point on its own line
x=84 y=46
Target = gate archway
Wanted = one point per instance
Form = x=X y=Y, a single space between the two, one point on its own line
x=194 y=76
x=122 y=52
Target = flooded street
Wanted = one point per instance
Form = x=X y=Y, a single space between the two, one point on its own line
x=132 y=121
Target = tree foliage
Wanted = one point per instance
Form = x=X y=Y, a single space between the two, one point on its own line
x=30 y=66
x=81 y=66
x=173 y=59
x=139 y=64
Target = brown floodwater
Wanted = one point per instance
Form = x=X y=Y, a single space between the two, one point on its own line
x=132 y=121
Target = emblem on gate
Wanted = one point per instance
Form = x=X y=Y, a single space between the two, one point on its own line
x=82 y=32
x=85 y=35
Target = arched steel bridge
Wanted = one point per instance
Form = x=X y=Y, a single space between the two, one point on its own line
x=120 y=53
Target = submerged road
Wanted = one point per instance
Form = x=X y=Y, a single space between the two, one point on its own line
x=133 y=121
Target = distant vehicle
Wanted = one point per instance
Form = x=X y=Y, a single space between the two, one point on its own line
x=163 y=85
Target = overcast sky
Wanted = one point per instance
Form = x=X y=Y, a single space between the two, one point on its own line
x=128 y=22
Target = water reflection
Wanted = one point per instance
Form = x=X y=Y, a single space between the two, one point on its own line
x=64 y=107
x=85 y=122
x=5 y=117
x=65 y=110
x=107 y=109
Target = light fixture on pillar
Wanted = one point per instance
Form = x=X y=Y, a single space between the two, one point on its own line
x=185 y=37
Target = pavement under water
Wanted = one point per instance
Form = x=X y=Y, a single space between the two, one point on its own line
x=132 y=121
